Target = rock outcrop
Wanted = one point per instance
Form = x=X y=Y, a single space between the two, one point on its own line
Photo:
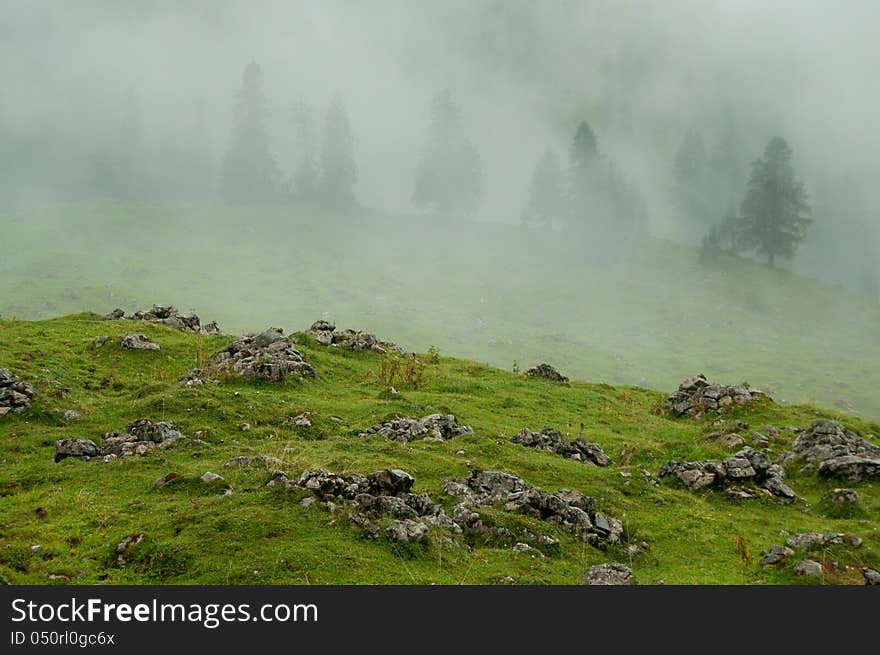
x=835 y=452
x=140 y=437
x=15 y=394
x=551 y=440
x=437 y=427
x=548 y=373
x=325 y=333
x=697 y=397
x=746 y=466
x=166 y=315
x=268 y=356
x=570 y=510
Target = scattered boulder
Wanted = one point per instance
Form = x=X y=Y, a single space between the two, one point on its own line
x=98 y=342
x=551 y=440
x=268 y=356
x=139 y=342
x=71 y=415
x=212 y=478
x=835 y=451
x=776 y=555
x=166 y=315
x=548 y=373
x=747 y=465
x=872 y=577
x=808 y=568
x=15 y=394
x=814 y=540
x=325 y=334
x=696 y=397
x=436 y=427
x=610 y=573
x=842 y=499
x=84 y=449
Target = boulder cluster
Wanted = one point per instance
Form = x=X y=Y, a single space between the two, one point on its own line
x=139 y=438
x=551 y=440
x=387 y=494
x=167 y=315
x=806 y=542
x=434 y=427
x=570 y=510
x=746 y=466
x=547 y=372
x=266 y=356
x=696 y=397
x=15 y=394
x=325 y=333
x=835 y=452
x=381 y=494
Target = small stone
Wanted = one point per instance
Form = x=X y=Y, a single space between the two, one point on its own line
x=245 y=427
x=776 y=555
x=98 y=342
x=872 y=577
x=139 y=342
x=210 y=478
x=308 y=501
x=71 y=415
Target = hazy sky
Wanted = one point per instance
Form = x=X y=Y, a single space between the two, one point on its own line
x=524 y=72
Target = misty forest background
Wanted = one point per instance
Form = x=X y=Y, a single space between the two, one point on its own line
x=631 y=191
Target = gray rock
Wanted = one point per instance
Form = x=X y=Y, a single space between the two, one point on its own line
x=611 y=573
x=407 y=531
x=98 y=342
x=84 y=449
x=139 y=342
x=872 y=577
x=257 y=461
x=551 y=440
x=696 y=396
x=836 y=451
x=808 y=568
x=548 y=373
x=440 y=427
x=115 y=315
x=211 y=478
x=140 y=437
x=851 y=467
x=841 y=498
x=15 y=394
x=268 y=356
x=325 y=334
x=776 y=555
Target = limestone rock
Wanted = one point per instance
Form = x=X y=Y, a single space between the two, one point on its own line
x=15 y=394
x=439 y=427
x=610 y=573
x=696 y=396
x=551 y=440
x=548 y=373
x=139 y=342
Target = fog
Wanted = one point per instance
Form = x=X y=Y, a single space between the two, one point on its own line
x=115 y=119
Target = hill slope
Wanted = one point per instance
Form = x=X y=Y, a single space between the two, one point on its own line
x=62 y=522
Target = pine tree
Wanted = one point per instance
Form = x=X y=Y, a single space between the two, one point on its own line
x=338 y=168
x=305 y=177
x=710 y=247
x=546 y=192
x=248 y=172
x=449 y=177
x=774 y=214
x=585 y=189
x=692 y=189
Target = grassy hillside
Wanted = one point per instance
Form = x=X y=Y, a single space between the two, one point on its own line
x=76 y=512
x=641 y=313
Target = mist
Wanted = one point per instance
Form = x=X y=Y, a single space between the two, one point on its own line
x=116 y=120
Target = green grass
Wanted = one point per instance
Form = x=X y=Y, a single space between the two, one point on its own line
x=260 y=535
x=642 y=314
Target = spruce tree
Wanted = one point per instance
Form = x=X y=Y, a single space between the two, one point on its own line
x=774 y=215
x=585 y=188
x=305 y=177
x=248 y=172
x=449 y=177
x=546 y=192
x=693 y=186
x=338 y=167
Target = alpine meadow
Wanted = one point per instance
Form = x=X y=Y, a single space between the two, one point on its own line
x=465 y=292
